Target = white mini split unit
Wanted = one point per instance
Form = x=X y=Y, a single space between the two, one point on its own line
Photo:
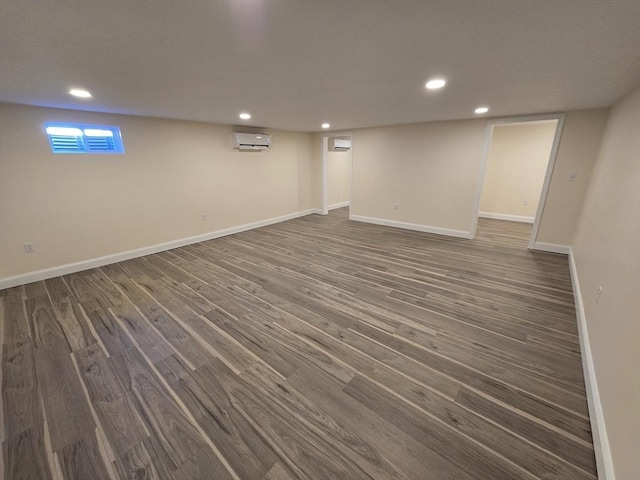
x=251 y=141
x=339 y=144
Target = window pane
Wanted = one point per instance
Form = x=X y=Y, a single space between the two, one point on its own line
x=80 y=138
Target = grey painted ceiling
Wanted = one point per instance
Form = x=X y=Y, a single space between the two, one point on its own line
x=296 y=64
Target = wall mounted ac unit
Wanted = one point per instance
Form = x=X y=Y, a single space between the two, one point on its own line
x=339 y=144
x=251 y=141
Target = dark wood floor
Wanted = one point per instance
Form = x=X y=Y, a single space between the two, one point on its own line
x=317 y=348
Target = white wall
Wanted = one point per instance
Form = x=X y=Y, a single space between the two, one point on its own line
x=577 y=153
x=606 y=249
x=516 y=165
x=316 y=171
x=431 y=170
x=338 y=177
x=78 y=207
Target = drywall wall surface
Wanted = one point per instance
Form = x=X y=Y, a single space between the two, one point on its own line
x=424 y=174
x=78 y=207
x=606 y=249
x=577 y=153
x=516 y=167
x=338 y=177
x=316 y=172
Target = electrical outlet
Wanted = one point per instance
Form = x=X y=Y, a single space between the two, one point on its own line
x=572 y=177
x=598 y=294
x=395 y=206
x=29 y=247
x=525 y=203
x=204 y=217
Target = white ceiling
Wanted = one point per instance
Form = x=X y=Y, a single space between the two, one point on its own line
x=296 y=64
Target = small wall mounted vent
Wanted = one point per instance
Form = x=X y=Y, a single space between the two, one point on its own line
x=339 y=144
x=251 y=141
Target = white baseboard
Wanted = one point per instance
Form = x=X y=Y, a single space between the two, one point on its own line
x=13 y=281
x=551 y=247
x=412 y=226
x=506 y=216
x=339 y=205
x=604 y=461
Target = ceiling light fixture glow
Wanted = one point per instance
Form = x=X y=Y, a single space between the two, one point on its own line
x=325 y=125
x=245 y=116
x=436 y=83
x=482 y=109
x=77 y=92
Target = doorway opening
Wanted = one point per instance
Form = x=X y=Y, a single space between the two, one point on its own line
x=337 y=169
x=519 y=156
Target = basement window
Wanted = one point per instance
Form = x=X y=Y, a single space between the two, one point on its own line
x=81 y=138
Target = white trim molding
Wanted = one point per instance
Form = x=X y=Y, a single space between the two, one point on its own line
x=324 y=144
x=555 y=146
x=339 y=205
x=604 y=460
x=412 y=226
x=559 y=117
x=21 y=279
x=551 y=247
x=507 y=216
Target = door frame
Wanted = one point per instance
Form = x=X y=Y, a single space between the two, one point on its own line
x=325 y=174
x=560 y=117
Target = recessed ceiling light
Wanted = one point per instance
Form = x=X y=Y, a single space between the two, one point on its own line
x=245 y=116
x=76 y=92
x=436 y=83
x=482 y=110
x=325 y=125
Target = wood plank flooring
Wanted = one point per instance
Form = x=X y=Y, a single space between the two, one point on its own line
x=317 y=348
